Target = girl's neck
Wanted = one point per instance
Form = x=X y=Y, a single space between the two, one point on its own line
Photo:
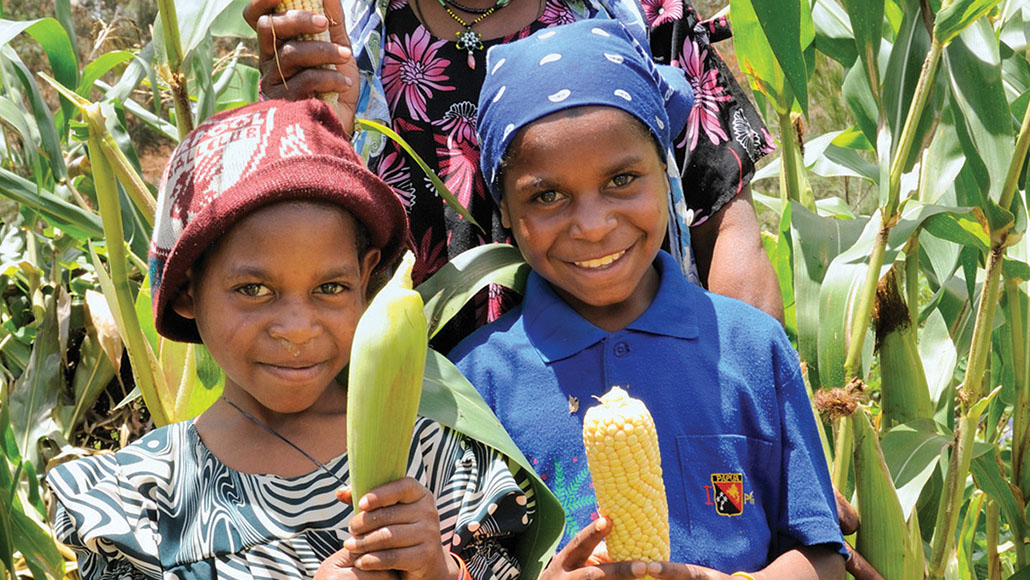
x=512 y=18
x=234 y=434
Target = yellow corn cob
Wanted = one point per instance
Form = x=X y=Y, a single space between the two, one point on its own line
x=384 y=384
x=314 y=7
x=624 y=462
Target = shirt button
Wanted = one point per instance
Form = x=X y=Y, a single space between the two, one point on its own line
x=621 y=349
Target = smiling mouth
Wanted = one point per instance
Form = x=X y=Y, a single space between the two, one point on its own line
x=601 y=262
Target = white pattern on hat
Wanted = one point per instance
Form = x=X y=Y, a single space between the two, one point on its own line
x=548 y=34
x=623 y=94
x=508 y=130
x=294 y=143
x=600 y=32
x=500 y=93
x=497 y=65
x=553 y=57
x=616 y=58
x=658 y=121
x=559 y=96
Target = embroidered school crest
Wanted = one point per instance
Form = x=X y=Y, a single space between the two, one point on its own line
x=728 y=492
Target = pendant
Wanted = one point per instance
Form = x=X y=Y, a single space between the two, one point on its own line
x=471 y=41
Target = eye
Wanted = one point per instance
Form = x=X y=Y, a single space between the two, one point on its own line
x=547 y=197
x=622 y=179
x=254 y=290
x=332 y=288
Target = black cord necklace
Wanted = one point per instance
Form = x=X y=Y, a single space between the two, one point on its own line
x=468 y=9
x=258 y=422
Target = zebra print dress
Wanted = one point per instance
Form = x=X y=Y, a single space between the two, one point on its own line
x=166 y=507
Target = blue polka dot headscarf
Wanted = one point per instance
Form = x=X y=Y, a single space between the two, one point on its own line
x=590 y=62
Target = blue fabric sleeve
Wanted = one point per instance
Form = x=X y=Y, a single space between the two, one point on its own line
x=808 y=514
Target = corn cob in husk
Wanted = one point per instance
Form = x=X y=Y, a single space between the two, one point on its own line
x=384 y=383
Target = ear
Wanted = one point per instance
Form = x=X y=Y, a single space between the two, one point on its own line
x=184 y=304
x=505 y=218
x=368 y=263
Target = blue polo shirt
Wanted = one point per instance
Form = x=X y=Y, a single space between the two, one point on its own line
x=743 y=466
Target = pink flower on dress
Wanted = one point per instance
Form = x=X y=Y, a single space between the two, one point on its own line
x=658 y=12
x=395 y=172
x=708 y=93
x=396 y=5
x=459 y=122
x=556 y=14
x=458 y=168
x=412 y=71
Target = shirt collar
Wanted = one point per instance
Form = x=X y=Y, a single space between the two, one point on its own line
x=557 y=331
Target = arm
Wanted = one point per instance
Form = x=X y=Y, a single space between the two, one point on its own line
x=731 y=259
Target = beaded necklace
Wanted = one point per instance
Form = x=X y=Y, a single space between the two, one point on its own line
x=469 y=39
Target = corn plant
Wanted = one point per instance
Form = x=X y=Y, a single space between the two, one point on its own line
x=938 y=95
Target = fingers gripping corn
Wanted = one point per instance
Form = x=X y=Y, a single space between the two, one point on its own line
x=622 y=454
x=314 y=7
x=384 y=384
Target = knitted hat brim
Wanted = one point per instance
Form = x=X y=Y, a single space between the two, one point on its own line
x=369 y=200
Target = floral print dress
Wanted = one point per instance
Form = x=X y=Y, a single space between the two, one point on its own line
x=423 y=87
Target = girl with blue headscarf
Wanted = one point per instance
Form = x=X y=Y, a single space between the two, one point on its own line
x=414 y=68
x=575 y=126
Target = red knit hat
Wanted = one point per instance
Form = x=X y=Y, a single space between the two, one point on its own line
x=241 y=160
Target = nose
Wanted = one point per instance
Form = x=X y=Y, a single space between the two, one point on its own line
x=592 y=219
x=296 y=322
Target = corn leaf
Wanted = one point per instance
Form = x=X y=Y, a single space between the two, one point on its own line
x=959 y=15
x=438 y=185
x=845 y=275
x=448 y=398
x=58 y=47
x=34 y=395
x=68 y=217
x=861 y=102
x=92 y=375
x=912 y=452
x=44 y=120
x=833 y=35
x=816 y=242
x=194 y=19
x=984 y=123
x=989 y=476
x=902 y=75
x=460 y=279
x=756 y=55
x=99 y=67
x=866 y=18
x=967 y=536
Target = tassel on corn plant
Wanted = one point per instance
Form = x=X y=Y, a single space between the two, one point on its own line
x=625 y=464
x=315 y=7
x=387 y=361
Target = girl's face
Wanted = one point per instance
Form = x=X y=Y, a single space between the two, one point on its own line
x=585 y=197
x=276 y=303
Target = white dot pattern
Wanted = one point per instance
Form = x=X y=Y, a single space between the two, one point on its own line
x=553 y=57
x=559 y=96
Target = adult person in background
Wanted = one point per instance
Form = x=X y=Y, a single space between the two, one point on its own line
x=418 y=65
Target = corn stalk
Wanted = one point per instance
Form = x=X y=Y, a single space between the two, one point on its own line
x=971 y=394
x=173 y=74
x=890 y=210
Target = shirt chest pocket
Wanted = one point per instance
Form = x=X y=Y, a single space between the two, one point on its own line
x=730 y=484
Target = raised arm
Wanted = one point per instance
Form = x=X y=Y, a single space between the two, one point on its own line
x=296 y=69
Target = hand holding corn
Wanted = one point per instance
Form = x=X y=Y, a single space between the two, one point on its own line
x=396 y=535
x=304 y=51
x=625 y=464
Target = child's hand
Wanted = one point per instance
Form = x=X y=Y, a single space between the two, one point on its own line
x=399 y=529
x=294 y=69
x=675 y=571
x=585 y=558
x=340 y=566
